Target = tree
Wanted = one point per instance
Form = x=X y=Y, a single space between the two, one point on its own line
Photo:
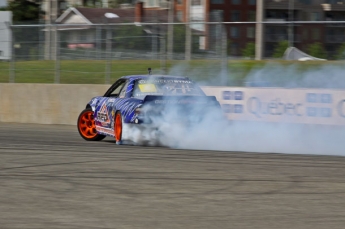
x=131 y=37
x=317 y=50
x=280 y=49
x=24 y=10
x=28 y=12
x=180 y=40
x=341 y=53
x=249 y=50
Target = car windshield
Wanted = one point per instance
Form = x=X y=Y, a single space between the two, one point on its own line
x=165 y=86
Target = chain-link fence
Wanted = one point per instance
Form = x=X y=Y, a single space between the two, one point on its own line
x=216 y=52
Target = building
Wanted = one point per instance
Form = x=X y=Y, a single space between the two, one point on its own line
x=275 y=11
x=54 y=9
x=298 y=35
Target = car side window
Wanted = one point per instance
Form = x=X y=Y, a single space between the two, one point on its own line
x=116 y=91
x=123 y=90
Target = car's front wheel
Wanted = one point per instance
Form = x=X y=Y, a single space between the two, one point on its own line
x=87 y=127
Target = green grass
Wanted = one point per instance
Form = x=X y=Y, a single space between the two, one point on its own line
x=94 y=71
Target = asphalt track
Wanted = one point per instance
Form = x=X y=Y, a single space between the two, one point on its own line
x=51 y=178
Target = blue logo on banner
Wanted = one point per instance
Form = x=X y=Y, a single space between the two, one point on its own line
x=325 y=112
x=226 y=95
x=226 y=108
x=312 y=111
x=232 y=95
x=238 y=95
x=238 y=108
x=319 y=98
x=232 y=108
x=311 y=97
x=326 y=98
x=319 y=112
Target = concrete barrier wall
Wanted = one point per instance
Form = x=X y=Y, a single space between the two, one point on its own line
x=62 y=103
x=45 y=103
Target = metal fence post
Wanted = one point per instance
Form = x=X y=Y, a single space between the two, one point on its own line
x=108 y=56
x=163 y=55
x=12 y=62
x=57 y=55
x=98 y=43
x=188 y=34
x=170 y=30
x=224 y=54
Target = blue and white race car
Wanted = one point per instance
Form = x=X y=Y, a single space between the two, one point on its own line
x=144 y=103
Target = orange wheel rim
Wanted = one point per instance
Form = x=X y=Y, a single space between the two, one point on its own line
x=118 y=127
x=87 y=125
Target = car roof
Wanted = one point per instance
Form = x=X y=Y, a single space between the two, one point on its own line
x=153 y=76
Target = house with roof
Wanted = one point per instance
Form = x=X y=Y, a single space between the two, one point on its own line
x=87 y=27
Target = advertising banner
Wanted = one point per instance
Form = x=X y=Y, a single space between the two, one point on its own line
x=308 y=106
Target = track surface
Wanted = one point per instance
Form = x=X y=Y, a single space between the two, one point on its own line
x=51 y=178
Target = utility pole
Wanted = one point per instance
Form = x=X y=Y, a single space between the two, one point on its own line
x=291 y=19
x=50 y=42
x=188 y=32
x=171 y=29
x=259 y=30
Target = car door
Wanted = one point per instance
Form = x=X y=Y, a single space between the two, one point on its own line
x=104 y=112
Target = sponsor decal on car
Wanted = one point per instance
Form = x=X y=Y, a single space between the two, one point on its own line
x=102 y=115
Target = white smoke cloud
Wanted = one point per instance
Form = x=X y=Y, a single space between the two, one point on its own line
x=226 y=135
x=298 y=76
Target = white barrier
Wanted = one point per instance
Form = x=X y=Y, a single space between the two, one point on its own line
x=61 y=104
x=309 y=106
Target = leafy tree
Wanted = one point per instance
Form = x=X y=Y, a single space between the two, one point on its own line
x=340 y=55
x=280 y=49
x=24 y=10
x=317 y=50
x=131 y=37
x=249 y=50
x=180 y=40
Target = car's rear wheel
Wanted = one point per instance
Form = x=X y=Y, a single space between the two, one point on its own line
x=118 y=127
x=87 y=127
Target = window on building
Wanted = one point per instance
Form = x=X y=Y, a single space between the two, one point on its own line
x=151 y=3
x=315 y=16
x=235 y=15
x=83 y=35
x=252 y=2
x=216 y=15
x=316 y=34
x=217 y=1
x=234 y=32
x=234 y=49
x=196 y=2
x=179 y=2
x=250 y=32
x=251 y=15
x=236 y=2
x=63 y=5
x=179 y=15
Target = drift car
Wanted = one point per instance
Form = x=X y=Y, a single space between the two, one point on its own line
x=144 y=101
